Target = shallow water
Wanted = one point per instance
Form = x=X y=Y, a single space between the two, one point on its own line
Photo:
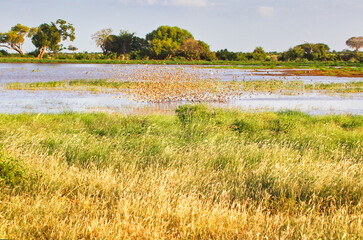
x=29 y=72
x=18 y=101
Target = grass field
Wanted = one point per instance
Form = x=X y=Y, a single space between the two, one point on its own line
x=200 y=174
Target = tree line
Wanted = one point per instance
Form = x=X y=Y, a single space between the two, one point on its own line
x=163 y=43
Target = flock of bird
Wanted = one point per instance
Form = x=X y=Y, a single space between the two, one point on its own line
x=162 y=84
x=166 y=84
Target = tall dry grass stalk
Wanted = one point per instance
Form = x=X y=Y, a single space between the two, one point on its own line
x=202 y=174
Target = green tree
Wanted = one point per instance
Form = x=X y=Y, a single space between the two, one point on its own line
x=102 y=39
x=14 y=39
x=259 y=54
x=355 y=43
x=125 y=43
x=224 y=54
x=72 y=48
x=206 y=54
x=317 y=51
x=165 y=41
x=293 y=54
x=322 y=50
x=48 y=36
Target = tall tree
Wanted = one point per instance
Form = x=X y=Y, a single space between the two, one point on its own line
x=195 y=50
x=72 y=48
x=355 y=42
x=314 y=51
x=14 y=39
x=125 y=43
x=48 y=36
x=293 y=54
x=259 y=54
x=224 y=54
x=165 y=41
x=191 y=49
x=102 y=39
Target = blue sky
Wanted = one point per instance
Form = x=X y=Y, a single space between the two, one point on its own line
x=238 y=25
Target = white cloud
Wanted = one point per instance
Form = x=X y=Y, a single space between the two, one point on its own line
x=184 y=3
x=267 y=12
x=189 y=3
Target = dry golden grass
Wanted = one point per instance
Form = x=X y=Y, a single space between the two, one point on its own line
x=205 y=175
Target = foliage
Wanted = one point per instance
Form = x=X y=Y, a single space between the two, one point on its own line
x=355 y=43
x=191 y=49
x=72 y=48
x=259 y=54
x=293 y=54
x=4 y=53
x=14 y=39
x=315 y=52
x=125 y=43
x=241 y=57
x=11 y=173
x=165 y=41
x=48 y=36
x=101 y=38
x=224 y=54
x=195 y=50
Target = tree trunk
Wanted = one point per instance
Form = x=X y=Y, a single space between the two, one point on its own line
x=21 y=51
x=15 y=48
x=41 y=52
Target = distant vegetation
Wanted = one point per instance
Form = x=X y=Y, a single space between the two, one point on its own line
x=164 y=43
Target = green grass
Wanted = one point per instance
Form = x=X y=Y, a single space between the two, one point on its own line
x=350 y=87
x=228 y=64
x=200 y=174
x=272 y=86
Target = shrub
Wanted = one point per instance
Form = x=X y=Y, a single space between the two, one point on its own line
x=11 y=173
x=81 y=56
x=4 y=53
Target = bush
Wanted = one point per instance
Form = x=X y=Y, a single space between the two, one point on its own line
x=61 y=56
x=11 y=173
x=81 y=56
x=4 y=53
x=259 y=54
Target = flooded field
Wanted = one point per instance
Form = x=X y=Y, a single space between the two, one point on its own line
x=145 y=89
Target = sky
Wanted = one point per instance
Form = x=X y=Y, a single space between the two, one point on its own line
x=238 y=25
